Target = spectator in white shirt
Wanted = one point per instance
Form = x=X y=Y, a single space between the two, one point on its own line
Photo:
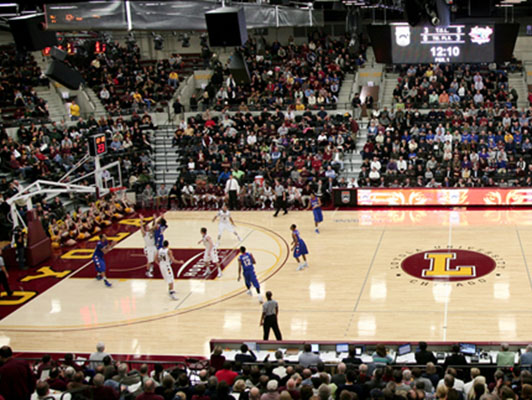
x=104 y=95
x=375 y=164
x=401 y=164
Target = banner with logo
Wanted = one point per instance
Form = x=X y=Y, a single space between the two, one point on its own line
x=445 y=197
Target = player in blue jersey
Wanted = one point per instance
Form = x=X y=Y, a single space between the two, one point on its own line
x=102 y=247
x=160 y=227
x=299 y=247
x=246 y=263
x=315 y=204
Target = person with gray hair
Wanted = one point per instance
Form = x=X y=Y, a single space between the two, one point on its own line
x=339 y=378
x=69 y=373
x=96 y=358
x=271 y=391
x=130 y=379
x=526 y=358
x=324 y=392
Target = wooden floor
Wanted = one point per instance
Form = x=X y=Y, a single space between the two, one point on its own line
x=354 y=289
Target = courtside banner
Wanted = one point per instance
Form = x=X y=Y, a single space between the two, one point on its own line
x=445 y=197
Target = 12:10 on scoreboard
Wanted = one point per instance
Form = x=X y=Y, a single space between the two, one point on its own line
x=451 y=44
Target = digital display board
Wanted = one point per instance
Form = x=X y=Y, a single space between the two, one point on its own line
x=451 y=44
x=86 y=15
x=97 y=145
x=445 y=197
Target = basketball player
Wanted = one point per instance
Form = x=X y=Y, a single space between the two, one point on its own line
x=299 y=247
x=210 y=257
x=166 y=258
x=267 y=195
x=315 y=204
x=102 y=247
x=226 y=224
x=150 y=251
x=246 y=262
x=160 y=227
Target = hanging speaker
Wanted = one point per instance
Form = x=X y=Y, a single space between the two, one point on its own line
x=66 y=76
x=29 y=33
x=226 y=26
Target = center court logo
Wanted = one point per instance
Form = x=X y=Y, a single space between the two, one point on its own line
x=448 y=265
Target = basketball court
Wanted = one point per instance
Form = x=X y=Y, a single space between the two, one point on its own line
x=405 y=275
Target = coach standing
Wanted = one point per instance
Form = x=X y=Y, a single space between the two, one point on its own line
x=232 y=188
x=270 y=311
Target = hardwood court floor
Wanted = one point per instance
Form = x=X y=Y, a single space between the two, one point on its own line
x=355 y=288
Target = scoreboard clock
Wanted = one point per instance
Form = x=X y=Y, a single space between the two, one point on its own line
x=458 y=43
x=97 y=145
x=451 y=44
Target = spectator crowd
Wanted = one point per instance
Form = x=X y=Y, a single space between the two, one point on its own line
x=301 y=153
x=247 y=378
x=19 y=75
x=454 y=85
x=467 y=143
x=124 y=82
x=306 y=76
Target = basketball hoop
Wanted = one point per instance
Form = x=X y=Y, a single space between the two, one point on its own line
x=119 y=190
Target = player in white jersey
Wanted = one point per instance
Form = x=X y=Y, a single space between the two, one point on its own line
x=148 y=233
x=210 y=257
x=267 y=195
x=165 y=259
x=226 y=224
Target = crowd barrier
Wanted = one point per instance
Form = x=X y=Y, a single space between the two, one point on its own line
x=426 y=197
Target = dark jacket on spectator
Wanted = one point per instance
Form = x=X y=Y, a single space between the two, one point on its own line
x=17 y=381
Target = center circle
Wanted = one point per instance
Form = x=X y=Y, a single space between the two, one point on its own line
x=448 y=265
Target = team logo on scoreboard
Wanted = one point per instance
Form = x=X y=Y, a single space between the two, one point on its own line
x=402 y=35
x=452 y=265
x=481 y=34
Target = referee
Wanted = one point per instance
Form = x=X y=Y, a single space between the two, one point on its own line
x=268 y=320
x=280 y=198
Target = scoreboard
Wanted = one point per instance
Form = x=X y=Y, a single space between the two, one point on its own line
x=477 y=42
x=451 y=44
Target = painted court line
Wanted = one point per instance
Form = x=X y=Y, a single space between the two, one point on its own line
x=365 y=282
x=524 y=257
